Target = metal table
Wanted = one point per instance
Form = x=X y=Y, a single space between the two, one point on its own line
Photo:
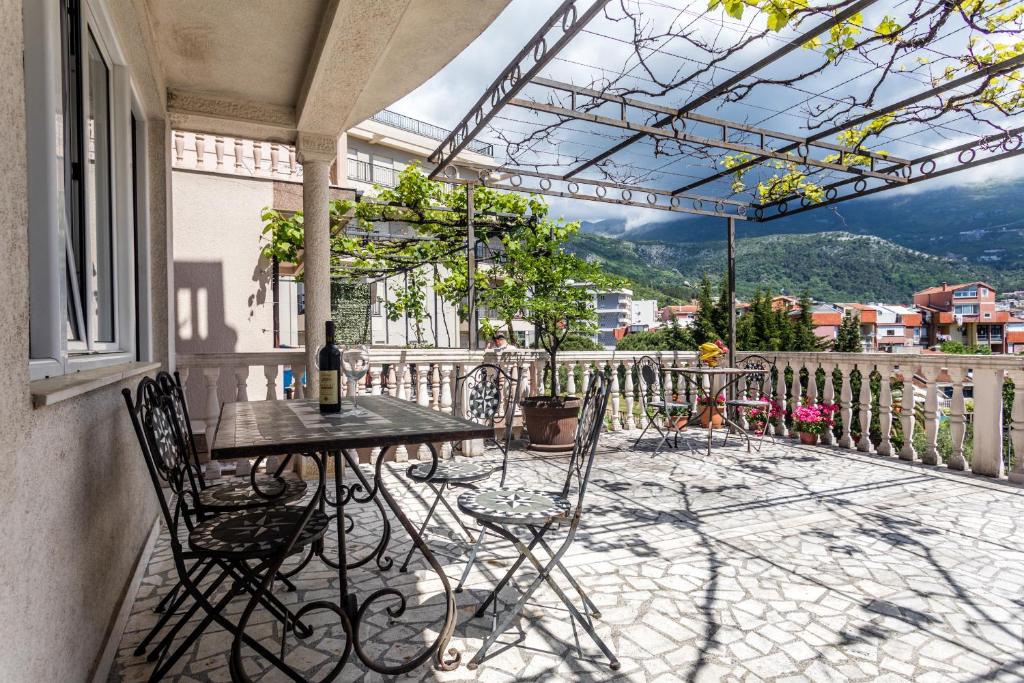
x=715 y=388
x=296 y=427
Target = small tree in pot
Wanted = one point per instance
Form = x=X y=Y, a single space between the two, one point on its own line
x=557 y=295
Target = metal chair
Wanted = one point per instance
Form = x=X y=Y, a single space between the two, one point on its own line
x=749 y=392
x=233 y=547
x=654 y=404
x=492 y=396
x=500 y=510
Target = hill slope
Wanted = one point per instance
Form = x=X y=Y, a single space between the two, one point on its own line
x=834 y=266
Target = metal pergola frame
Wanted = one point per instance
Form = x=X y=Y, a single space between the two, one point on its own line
x=882 y=171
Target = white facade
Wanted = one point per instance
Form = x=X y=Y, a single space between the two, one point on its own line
x=645 y=312
x=614 y=310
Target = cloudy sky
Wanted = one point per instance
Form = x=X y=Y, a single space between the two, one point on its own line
x=599 y=52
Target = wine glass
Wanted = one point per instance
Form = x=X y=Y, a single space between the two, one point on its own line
x=355 y=363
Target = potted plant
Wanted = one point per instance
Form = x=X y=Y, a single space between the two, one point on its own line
x=537 y=280
x=677 y=418
x=810 y=421
x=758 y=418
x=711 y=408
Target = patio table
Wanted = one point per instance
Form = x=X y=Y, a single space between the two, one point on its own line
x=719 y=380
x=296 y=427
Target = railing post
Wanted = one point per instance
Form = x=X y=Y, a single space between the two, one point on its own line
x=629 y=423
x=828 y=397
x=885 y=409
x=241 y=381
x=298 y=388
x=570 y=379
x=422 y=400
x=375 y=371
x=812 y=384
x=270 y=372
x=200 y=150
x=987 y=453
x=931 y=415
x=401 y=452
x=957 y=420
x=1017 y=428
x=907 y=417
x=795 y=386
x=864 y=401
x=780 y=397
x=846 y=406
x=616 y=417
x=212 y=377
x=446 y=404
x=218 y=150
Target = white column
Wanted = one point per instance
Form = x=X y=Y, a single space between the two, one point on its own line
x=846 y=406
x=987 y=457
x=931 y=416
x=885 y=409
x=828 y=397
x=864 y=405
x=316 y=152
x=907 y=420
x=957 y=420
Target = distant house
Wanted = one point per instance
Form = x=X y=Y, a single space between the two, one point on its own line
x=965 y=313
x=645 y=314
x=684 y=315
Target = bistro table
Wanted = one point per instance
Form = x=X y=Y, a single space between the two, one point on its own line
x=718 y=381
x=258 y=429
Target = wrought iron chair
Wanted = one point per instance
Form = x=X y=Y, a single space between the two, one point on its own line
x=492 y=396
x=220 y=548
x=503 y=509
x=654 y=404
x=752 y=392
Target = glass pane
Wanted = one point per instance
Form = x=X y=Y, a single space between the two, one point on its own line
x=100 y=264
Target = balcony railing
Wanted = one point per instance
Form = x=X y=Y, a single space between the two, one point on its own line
x=372 y=173
x=429 y=130
x=978 y=439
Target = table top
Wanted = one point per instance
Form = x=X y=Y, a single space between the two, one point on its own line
x=718 y=371
x=252 y=428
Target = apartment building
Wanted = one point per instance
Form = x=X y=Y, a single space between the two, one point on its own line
x=964 y=313
x=683 y=315
x=614 y=310
x=646 y=315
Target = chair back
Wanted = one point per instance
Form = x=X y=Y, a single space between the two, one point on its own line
x=156 y=426
x=759 y=382
x=649 y=380
x=170 y=385
x=588 y=432
x=491 y=394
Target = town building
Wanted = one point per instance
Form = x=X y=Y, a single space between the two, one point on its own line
x=964 y=313
x=614 y=310
x=683 y=315
x=645 y=315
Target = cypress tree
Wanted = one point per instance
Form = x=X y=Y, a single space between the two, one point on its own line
x=848 y=337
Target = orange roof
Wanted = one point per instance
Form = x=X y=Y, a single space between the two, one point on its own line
x=674 y=310
x=1015 y=337
x=950 y=288
x=912 y=319
x=821 y=319
x=1000 y=317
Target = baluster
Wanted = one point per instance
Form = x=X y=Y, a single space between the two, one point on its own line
x=275 y=154
x=375 y=372
x=298 y=388
x=630 y=422
x=931 y=416
x=780 y=398
x=404 y=389
x=812 y=385
x=218 y=150
x=570 y=379
x=795 y=386
x=238 y=155
x=392 y=381
x=257 y=157
x=422 y=399
x=270 y=372
x=846 y=406
x=446 y=404
x=828 y=398
x=293 y=166
x=586 y=377
x=212 y=377
x=907 y=417
x=241 y=382
x=1017 y=426
x=435 y=387
x=200 y=150
x=179 y=147
x=957 y=420
x=524 y=370
x=616 y=417
x=885 y=409
x=864 y=399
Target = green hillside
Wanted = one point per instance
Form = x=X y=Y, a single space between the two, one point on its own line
x=832 y=266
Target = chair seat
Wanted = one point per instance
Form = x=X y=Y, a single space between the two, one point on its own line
x=748 y=403
x=239 y=495
x=514 y=506
x=658 y=403
x=256 y=533
x=459 y=471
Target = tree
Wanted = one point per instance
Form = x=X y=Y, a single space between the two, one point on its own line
x=704 y=328
x=848 y=337
x=803 y=337
x=671 y=337
x=955 y=347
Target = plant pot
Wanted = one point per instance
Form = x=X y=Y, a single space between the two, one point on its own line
x=677 y=422
x=710 y=415
x=808 y=439
x=551 y=422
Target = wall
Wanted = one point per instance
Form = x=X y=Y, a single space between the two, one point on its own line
x=75 y=499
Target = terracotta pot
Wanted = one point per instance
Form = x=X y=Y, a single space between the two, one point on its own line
x=712 y=414
x=551 y=423
x=678 y=422
x=808 y=438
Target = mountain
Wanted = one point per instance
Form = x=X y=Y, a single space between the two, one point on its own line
x=833 y=266
x=982 y=224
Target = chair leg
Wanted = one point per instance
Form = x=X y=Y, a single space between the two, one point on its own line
x=472 y=559
x=587 y=602
x=423 y=527
x=457 y=517
x=172 y=609
x=508 y=574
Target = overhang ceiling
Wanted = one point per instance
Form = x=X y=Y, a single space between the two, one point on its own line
x=267 y=68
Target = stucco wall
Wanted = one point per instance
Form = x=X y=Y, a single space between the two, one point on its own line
x=75 y=501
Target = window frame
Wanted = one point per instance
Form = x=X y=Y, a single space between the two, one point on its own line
x=50 y=121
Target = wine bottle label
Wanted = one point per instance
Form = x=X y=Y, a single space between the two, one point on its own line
x=329 y=386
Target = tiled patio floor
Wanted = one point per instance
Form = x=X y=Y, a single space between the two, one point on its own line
x=790 y=565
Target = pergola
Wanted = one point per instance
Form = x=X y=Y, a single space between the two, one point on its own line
x=641 y=103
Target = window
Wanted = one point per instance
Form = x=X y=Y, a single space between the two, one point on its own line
x=87 y=195
x=890 y=333
x=375 y=297
x=965 y=293
x=982 y=291
x=966 y=309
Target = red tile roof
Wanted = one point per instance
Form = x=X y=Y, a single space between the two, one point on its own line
x=821 y=319
x=950 y=288
x=1015 y=337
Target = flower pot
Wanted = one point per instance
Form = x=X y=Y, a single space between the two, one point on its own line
x=677 y=422
x=710 y=415
x=808 y=438
x=551 y=422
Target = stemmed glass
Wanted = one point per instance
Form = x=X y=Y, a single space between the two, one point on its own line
x=355 y=363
